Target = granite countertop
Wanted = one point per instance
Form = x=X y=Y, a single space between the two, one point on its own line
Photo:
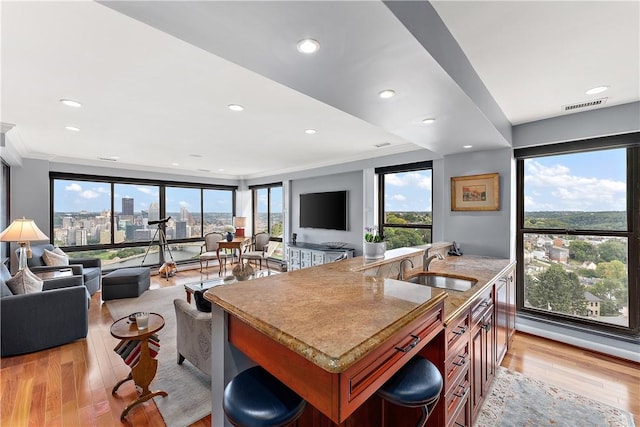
x=483 y=269
x=333 y=314
x=328 y=314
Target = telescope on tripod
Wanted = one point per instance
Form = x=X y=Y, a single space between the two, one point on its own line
x=167 y=268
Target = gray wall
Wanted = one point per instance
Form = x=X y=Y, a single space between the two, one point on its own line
x=352 y=182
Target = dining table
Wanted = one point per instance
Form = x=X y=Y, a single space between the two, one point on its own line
x=237 y=243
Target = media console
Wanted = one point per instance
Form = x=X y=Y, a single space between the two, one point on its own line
x=303 y=255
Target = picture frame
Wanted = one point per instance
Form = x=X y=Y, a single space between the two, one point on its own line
x=475 y=192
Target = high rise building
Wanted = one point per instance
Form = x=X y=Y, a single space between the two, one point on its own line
x=154 y=212
x=127 y=206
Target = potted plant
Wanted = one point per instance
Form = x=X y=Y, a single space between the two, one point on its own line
x=374 y=246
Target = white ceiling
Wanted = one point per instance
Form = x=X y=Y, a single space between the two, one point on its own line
x=155 y=89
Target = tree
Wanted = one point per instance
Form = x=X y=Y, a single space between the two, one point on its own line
x=614 y=270
x=608 y=290
x=582 y=251
x=613 y=250
x=557 y=290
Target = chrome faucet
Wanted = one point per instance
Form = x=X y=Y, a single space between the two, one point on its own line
x=401 y=274
x=426 y=259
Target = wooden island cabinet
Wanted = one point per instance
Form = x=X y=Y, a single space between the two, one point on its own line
x=334 y=335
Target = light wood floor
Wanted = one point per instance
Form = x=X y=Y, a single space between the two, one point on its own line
x=71 y=385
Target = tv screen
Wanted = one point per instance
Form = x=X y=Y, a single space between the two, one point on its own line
x=324 y=210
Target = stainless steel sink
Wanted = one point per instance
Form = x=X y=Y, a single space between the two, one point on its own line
x=449 y=283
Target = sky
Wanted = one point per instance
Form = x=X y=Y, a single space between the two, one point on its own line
x=74 y=196
x=591 y=182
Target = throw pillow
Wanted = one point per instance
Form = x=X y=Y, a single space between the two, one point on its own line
x=55 y=257
x=202 y=304
x=25 y=282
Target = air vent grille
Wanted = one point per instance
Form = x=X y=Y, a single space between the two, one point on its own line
x=382 y=144
x=584 y=104
x=108 y=159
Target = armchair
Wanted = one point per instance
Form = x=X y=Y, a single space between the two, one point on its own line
x=193 y=335
x=31 y=322
x=262 y=248
x=209 y=250
x=91 y=267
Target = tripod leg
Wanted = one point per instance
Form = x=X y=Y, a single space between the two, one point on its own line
x=149 y=247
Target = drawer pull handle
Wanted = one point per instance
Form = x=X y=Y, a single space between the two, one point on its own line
x=486 y=327
x=462 y=361
x=416 y=340
x=464 y=392
x=485 y=304
x=462 y=330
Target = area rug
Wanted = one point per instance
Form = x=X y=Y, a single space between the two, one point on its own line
x=516 y=400
x=189 y=389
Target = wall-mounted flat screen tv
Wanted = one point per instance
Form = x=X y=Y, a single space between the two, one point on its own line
x=324 y=210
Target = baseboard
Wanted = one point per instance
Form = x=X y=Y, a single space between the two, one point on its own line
x=611 y=346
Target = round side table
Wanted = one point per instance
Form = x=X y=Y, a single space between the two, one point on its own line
x=143 y=372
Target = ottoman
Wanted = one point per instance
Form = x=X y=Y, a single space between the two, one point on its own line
x=125 y=283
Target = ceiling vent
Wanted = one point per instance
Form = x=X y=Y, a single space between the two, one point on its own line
x=108 y=159
x=382 y=144
x=585 y=104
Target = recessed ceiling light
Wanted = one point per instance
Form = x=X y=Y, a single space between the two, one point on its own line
x=467 y=146
x=308 y=46
x=428 y=121
x=235 y=107
x=221 y=170
x=597 y=89
x=71 y=103
x=310 y=131
x=72 y=128
x=386 y=94
x=175 y=164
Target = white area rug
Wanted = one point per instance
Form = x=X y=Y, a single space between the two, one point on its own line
x=189 y=389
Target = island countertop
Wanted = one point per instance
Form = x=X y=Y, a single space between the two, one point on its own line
x=329 y=314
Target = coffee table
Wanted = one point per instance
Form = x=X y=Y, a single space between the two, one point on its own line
x=191 y=288
x=54 y=274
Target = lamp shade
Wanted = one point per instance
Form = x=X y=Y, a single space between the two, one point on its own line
x=22 y=230
x=239 y=221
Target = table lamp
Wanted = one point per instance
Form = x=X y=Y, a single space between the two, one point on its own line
x=239 y=222
x=22 y=231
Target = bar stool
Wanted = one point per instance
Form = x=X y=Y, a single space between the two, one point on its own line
x=416 y=384
x=255 y=398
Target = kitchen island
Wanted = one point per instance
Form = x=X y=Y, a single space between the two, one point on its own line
x=332 y=333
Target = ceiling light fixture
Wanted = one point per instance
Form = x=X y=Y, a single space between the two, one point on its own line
x=71 y=103
x=387 y=93
x=72 y=128
x=310 y=131
x=175 y=164
x=467 y=146
x=428 y=121
x=597 y=89
x=308 y=46
x=235 y=107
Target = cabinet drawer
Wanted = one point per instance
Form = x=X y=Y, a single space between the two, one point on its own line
x=317 y=258
x=458 y=330
x=383 y=364
x=457 y=398
x=458 y=360
x=482 y=304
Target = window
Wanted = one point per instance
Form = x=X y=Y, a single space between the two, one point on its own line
x=577 y=235
x=268 y=214
x=405 y=204
x=117 y=220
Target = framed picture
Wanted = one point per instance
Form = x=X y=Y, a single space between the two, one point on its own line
x=475 y=192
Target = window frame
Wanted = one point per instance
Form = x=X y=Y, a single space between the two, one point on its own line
x=254 y=206
x=381 y=172
x=630 y=142
x=112 y=181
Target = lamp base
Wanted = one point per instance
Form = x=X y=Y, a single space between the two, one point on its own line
x=239 y=232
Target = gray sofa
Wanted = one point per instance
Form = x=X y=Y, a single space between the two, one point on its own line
x=91 y=267
x=31 y=322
